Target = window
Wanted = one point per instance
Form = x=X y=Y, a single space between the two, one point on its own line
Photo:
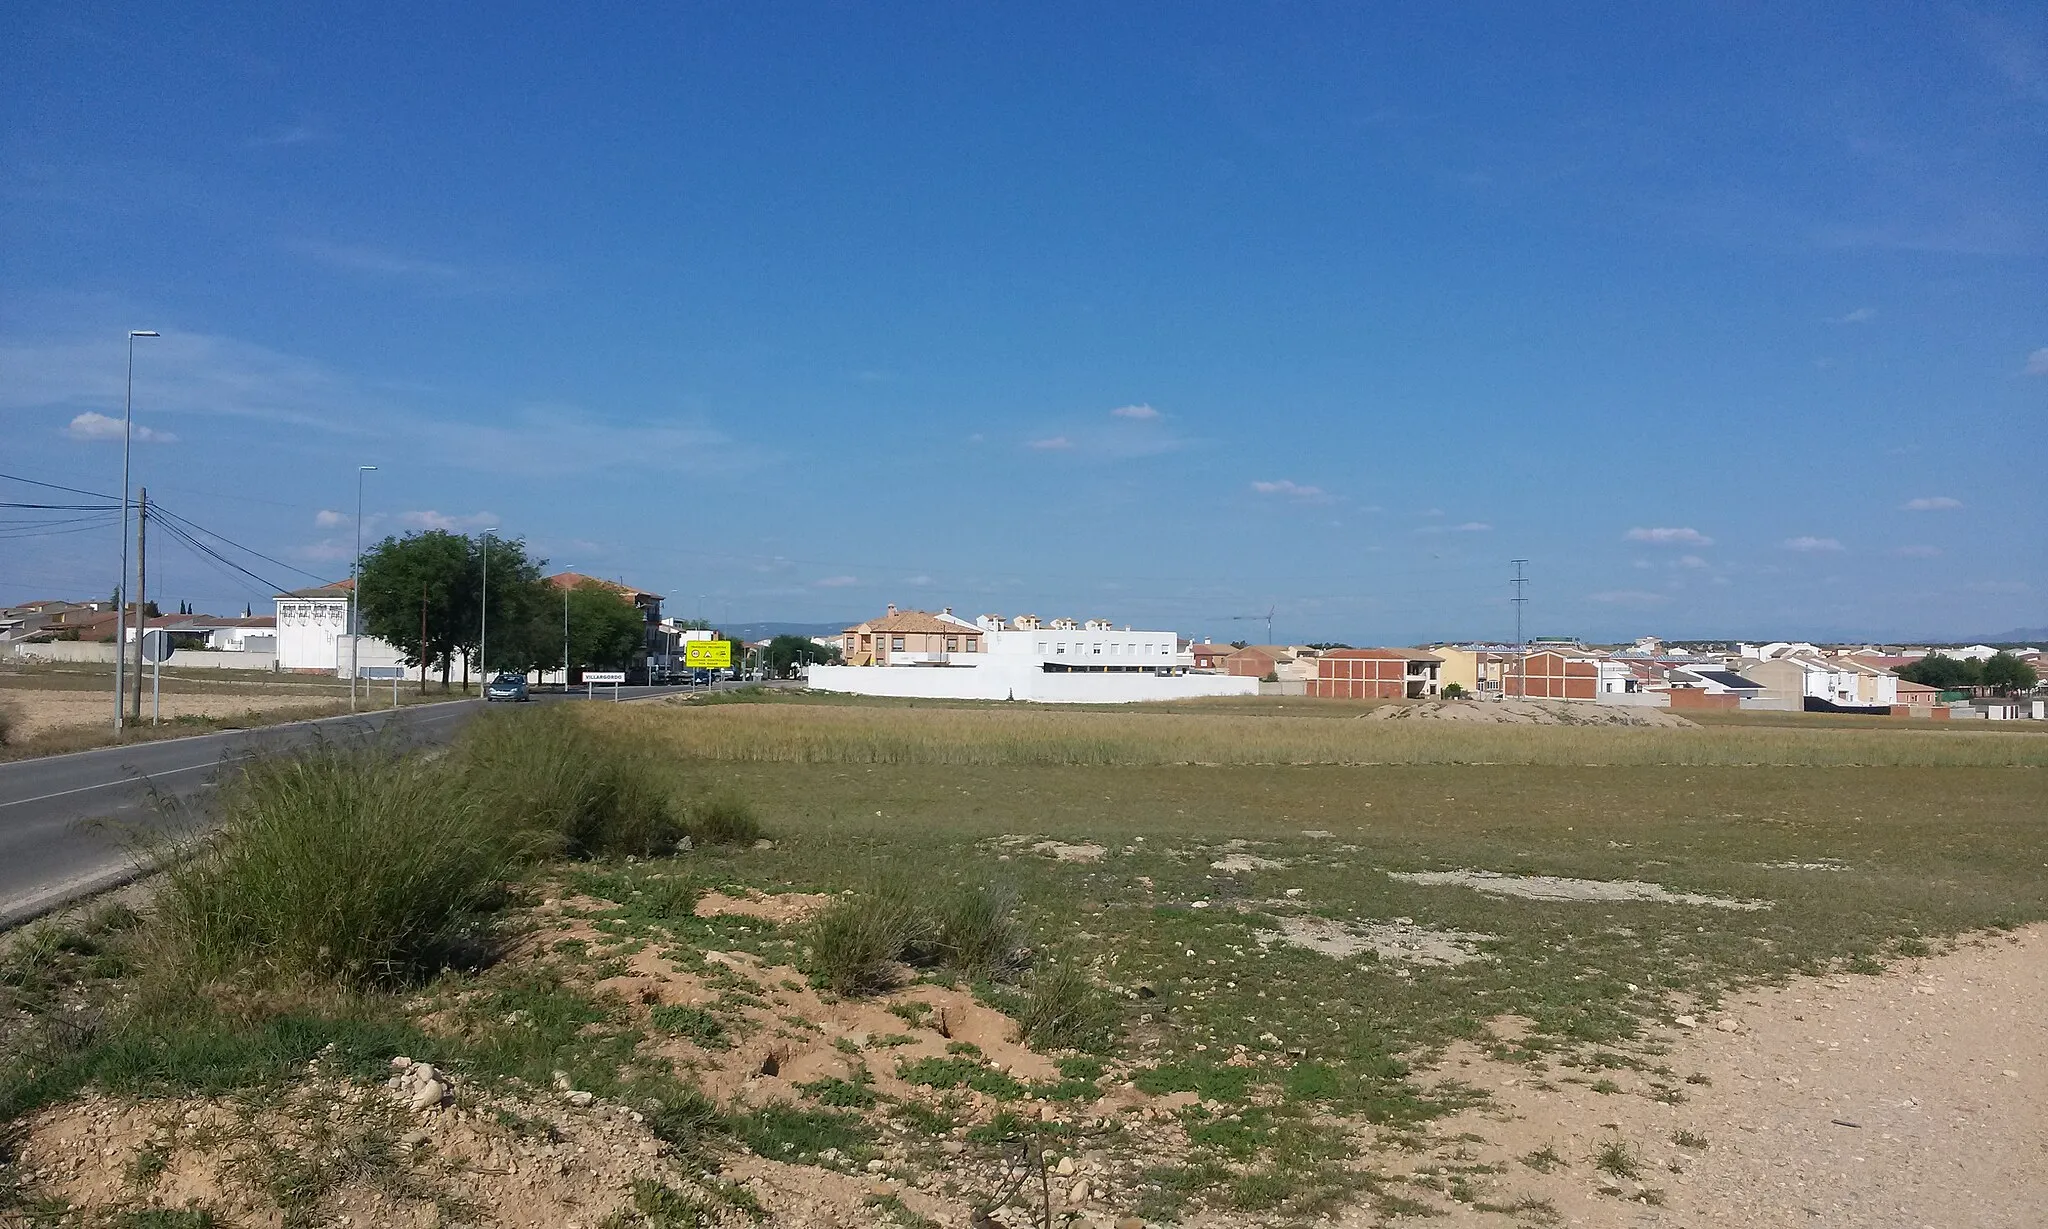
x=972 y=645
x=1098 y=648
x=1063 y=648
x=895 y=644
x=952 y=644
x=1041 y=648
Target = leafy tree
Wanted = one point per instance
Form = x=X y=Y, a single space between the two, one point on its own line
x=519 y=636
x=786 y=652
x=417 y=592
x=2005 y=674
x=1943 y=671
x=1453 y=691
x=605 y=630
x=1327 y=645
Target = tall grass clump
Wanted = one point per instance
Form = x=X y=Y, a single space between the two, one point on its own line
x=353 y=864
x=547 y=774
x=722 y=820
x=853 y=946
x=1061 y=1008
x=977 y=931
x=10 y=722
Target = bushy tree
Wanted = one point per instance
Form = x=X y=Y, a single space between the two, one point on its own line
x=605 y=630
x=2005 y=674
x=416 y=593
x=1943 y=671
x=787 y=652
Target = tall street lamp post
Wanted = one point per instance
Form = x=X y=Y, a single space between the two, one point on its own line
x=565 y=629
x=121 y=589
x=483 y=617
x=355 y=590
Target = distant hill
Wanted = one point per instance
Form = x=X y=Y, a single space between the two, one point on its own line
x=2018 y=635
x=768 y=631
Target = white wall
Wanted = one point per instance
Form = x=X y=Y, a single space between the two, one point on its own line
x=103 y=652
x=1019 y=678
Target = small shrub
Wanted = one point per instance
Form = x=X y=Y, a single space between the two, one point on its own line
x=784 y=1133
x=723 y=820
x=1544 y=1159
x=10 y=722
x=1688 y=1139
x=1617 y=1158
x=547 y=775
x=978 y=932
x=693 y=1023
x=1063 y=1009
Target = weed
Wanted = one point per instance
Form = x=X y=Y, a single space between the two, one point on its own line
x=1606 y=1087
x=146 y=1166
x=977 y=931
x=1063 y=1009
x=783 y=1133
x=548 y=775
x=10 y=721
x=856 y=941
x=1544 y=1159
x=164 y=1218
x=856 y=1093
x=960 y=1073
x=1616 y=1158
x=1688 y=1139
x=692 y=1024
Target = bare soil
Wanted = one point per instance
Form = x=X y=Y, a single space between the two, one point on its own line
x=1528 y=712
x=42 y=710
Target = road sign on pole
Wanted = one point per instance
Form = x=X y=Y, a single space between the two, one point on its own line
x=707 y=654
x=592 y=679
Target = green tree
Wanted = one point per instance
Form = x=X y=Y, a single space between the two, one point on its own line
x=1454 y=691
x=2005 y=674
x=786 y=652
x=1943 y=671
x=518 y=633
x=605 y=630
x=417 y=592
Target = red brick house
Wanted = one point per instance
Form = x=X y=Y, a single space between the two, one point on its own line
x=1376 y=674
x=1554 y=675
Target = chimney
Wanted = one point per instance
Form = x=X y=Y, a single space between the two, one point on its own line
x=892 y=608
x=949 y=610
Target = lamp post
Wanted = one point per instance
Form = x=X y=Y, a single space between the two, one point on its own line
x=121 y=589
x=355 y=588
x=566 y=568
x=483 y=617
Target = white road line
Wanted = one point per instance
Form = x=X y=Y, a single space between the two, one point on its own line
x=85 y=789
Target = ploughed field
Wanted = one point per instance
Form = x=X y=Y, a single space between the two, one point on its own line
x=1249 y=964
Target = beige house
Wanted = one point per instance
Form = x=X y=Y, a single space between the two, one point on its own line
x=909 y=638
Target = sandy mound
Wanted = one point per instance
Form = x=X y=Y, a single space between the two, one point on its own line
x=1529 y=712
x=1555 y=887
x=781 y=908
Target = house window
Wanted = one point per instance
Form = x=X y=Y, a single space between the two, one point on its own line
x=895 y=644
x=1098 y=649
x=1063 y=648
x=952 y=644
x=1041 y=648
x=972 y=645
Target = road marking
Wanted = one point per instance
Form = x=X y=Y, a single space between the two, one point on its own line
x=86 y=789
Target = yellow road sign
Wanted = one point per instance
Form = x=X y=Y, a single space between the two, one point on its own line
x=707 y=654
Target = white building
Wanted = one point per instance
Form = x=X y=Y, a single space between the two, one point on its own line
x=310 y=623
x=1025 y=658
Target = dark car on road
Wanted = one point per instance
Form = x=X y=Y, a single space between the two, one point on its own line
x=506 y=687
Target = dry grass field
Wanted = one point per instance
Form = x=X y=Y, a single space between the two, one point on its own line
x=1237 y=965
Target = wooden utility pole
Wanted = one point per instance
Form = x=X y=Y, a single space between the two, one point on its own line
x=141 y=596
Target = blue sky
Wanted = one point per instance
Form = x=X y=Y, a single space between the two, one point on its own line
x=1730 y=321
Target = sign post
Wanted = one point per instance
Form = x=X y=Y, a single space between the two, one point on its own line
x=591 y=678
x=156 y=645
x=394 y=673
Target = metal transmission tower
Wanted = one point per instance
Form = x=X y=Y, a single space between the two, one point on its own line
x=1521 y=650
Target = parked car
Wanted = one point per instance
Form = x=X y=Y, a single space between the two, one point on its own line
x=506 y=687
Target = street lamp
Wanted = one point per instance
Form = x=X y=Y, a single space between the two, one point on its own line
x=483 y=617
x=355 y=588
x=121 y=589
x=567 y=569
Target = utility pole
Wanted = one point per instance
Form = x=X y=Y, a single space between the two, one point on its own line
x=423 y=637
x=1521 y=652
x=141 y=595
x=121 y=590
x=483 y=616
x=355 y=586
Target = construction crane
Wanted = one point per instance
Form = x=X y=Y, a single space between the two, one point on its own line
x=1267 y=618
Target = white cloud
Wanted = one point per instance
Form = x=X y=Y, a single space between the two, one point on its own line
x=1669 y=537
x=1691 y=561
x=1286 y=488
x=1862 y=315
x=836 y=582
x=94 y=428
x=1467 y=527
x=1932 y=503
x=1052 y=443
x=1628 y=597
x=328 y=518
x=922 y=582
x=2037 y=362
x=430 y=519
x=1918 y=552
x=1141 y=412
x=363 y=260
x=1808 y=543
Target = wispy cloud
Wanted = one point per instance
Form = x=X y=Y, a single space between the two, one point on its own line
x=328 y=518
x=1628 y=597
x=1467 y=527
x=1809 y=544
x=1663 y=536
x=368 y=261
x=1918 y=552
x=298 y=134
x=1691 y=561
x=2037 y=362
x=1141 y=412
x=1285 y=488
x=835 y=582
x=457 y=523
x=1052 y=443
x=97 y=428
x=1862 y=315
x=1932 y=503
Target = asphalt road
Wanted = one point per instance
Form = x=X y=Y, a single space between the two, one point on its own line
x=68 y=822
